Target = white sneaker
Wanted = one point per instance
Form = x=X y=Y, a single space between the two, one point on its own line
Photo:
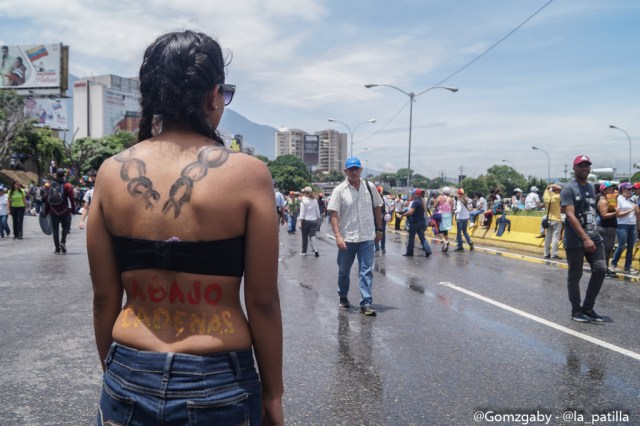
x=303 y=254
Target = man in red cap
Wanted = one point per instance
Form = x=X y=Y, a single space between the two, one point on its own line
x=582 y=240
x=417 y=223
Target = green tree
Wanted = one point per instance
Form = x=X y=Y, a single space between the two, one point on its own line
x=39 y=146
x=419 y=181
x=89 y=153
x=388 y=178
x=289 y=172
x=262 y=158
x=81 y=151
x=506 y=178
x=478 y=184
x=401 y=176
x=534 y=181
x=11 y=120
x=332 y=176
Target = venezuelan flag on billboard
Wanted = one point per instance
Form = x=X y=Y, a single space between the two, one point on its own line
x=36 y=53
x=32 y=68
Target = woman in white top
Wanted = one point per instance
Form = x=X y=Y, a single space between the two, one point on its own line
x=626 y=231
x=4 y=212
x=309 y=216
x=463 y=205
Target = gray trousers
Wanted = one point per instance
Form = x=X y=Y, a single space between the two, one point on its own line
x=575 y=260
x=308 y=229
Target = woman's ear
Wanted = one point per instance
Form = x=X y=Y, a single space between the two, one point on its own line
x=211 y=99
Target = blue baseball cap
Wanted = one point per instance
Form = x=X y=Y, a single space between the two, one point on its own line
x=353 y=162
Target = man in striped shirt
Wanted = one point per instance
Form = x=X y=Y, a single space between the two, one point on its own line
x=356 y=219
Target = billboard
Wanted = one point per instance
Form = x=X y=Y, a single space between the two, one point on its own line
x=33 y=66
x=51 y=113
x=311 y=150
x=121 y=111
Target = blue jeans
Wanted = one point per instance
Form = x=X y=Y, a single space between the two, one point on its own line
x=626 y=239
x=364 y=251
x=142 y=388
x=382 y=243
x=419 y=229
x=474 y=215
x=293 y=218
x=461 y=225
x=4 y=226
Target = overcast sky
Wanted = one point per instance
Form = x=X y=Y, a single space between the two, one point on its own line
x=557 y=83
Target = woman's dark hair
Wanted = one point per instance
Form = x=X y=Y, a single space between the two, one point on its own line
x=178 y=71
x=13 y=188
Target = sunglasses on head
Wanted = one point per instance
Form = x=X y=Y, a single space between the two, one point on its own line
x=227 y=92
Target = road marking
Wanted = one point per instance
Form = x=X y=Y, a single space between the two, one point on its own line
x=543 y=321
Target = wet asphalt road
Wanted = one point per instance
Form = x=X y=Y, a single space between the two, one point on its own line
x=457 y=335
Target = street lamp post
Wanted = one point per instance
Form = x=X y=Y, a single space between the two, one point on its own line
x=411 y=96
x=611 y=126
x=548 y=163
x=512 y=163
x=371 y=120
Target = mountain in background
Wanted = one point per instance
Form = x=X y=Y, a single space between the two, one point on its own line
x=259 y=136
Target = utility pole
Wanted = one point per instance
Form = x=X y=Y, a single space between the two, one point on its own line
x=565 y=172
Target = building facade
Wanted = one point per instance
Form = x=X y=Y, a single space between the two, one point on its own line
x=332 y=147
x=104 y=104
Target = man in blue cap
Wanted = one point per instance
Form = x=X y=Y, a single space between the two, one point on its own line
x=356 y=219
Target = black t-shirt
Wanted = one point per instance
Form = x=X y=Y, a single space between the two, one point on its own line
x=583 y=199
x=418 y=213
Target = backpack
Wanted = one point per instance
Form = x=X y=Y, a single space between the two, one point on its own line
x=56 y=194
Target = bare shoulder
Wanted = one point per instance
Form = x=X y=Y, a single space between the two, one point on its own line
x=254 y=171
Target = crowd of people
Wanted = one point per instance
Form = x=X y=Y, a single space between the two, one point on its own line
x=18 y=201
x=596 y=222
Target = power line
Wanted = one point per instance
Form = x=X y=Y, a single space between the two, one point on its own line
x=385 y=124
x=462 y=68
x=494 y=45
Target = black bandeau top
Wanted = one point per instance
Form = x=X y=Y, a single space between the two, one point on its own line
x=219 y=257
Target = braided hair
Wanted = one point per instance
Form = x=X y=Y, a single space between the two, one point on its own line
x=178 y=71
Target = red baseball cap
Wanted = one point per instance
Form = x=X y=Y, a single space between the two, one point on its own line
x=581 y=159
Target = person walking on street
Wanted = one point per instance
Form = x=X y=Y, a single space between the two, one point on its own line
x=386 y=217
x=608 y=212
x=309 y=218
x=551 y=199
x=60 y=204
x=4 y=212
x=356 y=221
x=462 y=211
x=398 y=210
x=293 y=207
x=628 y=213
x=17 y=206
x=582 y=240
x=417 y=223
x=280 y=205
x=444 y=206
x=86 y=204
